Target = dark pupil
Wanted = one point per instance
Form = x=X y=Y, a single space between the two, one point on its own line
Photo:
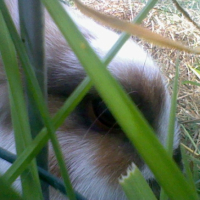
x=103 y=114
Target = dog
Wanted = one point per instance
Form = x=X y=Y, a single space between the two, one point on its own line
x=96 y=150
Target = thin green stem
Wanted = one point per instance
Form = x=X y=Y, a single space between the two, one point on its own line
x=29 y=178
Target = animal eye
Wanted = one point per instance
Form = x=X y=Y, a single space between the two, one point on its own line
x=103 y=115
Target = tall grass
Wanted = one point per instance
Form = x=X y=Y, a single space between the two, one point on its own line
x=136 y=128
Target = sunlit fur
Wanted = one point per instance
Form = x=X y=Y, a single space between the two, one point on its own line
x=95 y=157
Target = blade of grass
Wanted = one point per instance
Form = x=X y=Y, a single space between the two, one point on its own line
x=135 y=186
x=32 y=33
x=176 y=186
x=196 y=172
x=35 y=89
x=44 y=175
x=30 y=179
x=6 y=192
x=172 y=116
x=172 y=121
x=195 y=71
x=191 y=82
x=187 y=170
x=191 y=139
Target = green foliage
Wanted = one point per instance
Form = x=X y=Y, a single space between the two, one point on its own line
x=126 y=113
x=135 y=186
x=6 y=192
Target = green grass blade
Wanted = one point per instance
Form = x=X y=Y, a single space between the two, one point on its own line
x=126 y=114
x=6 y=192
x=172 y=120
x=191 y=82
x=186 y=166
x=135 y=186
x=191 y=139
x=30 y=179
x=42 y=107
x=145 y=10
x=195 y=71
x=44 y=175
x=172 y=116
x=32 y=32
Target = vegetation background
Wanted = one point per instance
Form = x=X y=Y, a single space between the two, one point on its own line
x=163 y=19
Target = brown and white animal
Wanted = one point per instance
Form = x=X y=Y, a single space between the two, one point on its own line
x=96 y=152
